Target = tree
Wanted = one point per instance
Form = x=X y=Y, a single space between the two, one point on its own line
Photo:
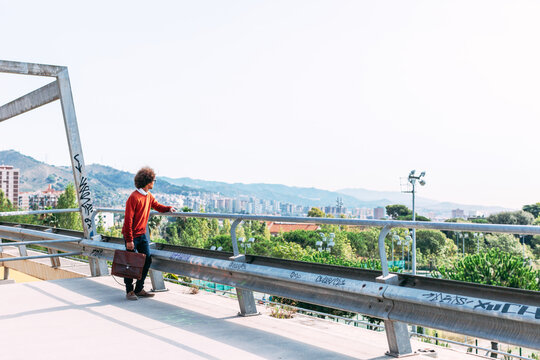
x=171 y=233
x=226 y=228
x=154 y=224
x=223 y=241
x=193 y=232
x=395 y=211
x=505 y=242
x=416 y=218
x=535 y=245
x=265 y=231
x=519 y=217
x=214 y=227
x=342 y=247
x=494 y=267
x=68 y=200
x=534 y=209
x=5 y=204
x=480 y=221
x=303 y=238
x=315 y=212
x=365 y=243
x=430 y=242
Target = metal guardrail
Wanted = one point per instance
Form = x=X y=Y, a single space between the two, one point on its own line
x=349 y=321
x=501 y=314
x=52 y=255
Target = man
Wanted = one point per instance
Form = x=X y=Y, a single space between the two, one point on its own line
x=136 y=217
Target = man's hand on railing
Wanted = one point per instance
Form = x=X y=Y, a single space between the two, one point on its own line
x=173 y=209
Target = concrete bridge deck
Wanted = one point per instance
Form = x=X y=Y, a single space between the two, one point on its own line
x=89 y=318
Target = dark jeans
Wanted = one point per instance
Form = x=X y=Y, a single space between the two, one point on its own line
x=142 y=245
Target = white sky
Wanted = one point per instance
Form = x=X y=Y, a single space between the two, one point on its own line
x=329 y=94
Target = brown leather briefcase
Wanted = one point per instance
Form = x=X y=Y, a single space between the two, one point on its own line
x=128 y=264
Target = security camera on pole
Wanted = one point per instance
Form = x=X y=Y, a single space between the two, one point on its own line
x=411 y=179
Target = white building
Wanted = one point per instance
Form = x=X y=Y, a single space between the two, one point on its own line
x=9 y=183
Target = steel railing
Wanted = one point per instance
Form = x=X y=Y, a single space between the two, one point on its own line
x=501 y=314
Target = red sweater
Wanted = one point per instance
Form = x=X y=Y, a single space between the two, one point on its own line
x=137 y=213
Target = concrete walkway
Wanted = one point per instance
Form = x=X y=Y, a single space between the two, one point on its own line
x=89 y=318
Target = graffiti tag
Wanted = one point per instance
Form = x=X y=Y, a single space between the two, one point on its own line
x=237 y=266
x=328 y=280
x=78 y=166
x=508 y=308
x=448 y=299
x=295 y=275
x=84 y=196
x=96 y=252
x=180 y=257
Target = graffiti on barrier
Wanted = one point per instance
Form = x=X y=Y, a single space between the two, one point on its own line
x=508 y=308
x=329 y=280
x=448 y=299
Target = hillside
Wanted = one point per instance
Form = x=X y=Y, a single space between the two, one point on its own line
x=282 y=193
x=110 y=186
x=316 y=197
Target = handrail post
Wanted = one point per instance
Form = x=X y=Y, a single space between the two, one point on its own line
x=234 y=241
x=98 y=267
x=156 y=276
x=397 y=333
x=246 y=300
x=6 y=269
x=382 y=250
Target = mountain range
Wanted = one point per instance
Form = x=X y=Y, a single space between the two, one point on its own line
x=111 y=188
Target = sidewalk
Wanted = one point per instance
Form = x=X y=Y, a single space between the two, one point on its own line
x=89 y=318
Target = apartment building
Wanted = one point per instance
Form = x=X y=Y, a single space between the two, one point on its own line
x=39 y=200
x=9 y=183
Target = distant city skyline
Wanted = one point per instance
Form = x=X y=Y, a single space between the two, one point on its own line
x=326 y=94
x=274 y=199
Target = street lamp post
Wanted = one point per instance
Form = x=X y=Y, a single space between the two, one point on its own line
x=477 y=237
x=408 y=243
x=243 y=243
x=396 y=238
x=412 y=180
x=328 y=242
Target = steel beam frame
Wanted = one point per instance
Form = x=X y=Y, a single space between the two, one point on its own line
x=60 y=89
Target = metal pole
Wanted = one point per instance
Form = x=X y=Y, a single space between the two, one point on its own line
x=402 y=256
x=392 y=250
x=42 y=256
x=408 y=253
x=413 y=232
x=40 y=242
